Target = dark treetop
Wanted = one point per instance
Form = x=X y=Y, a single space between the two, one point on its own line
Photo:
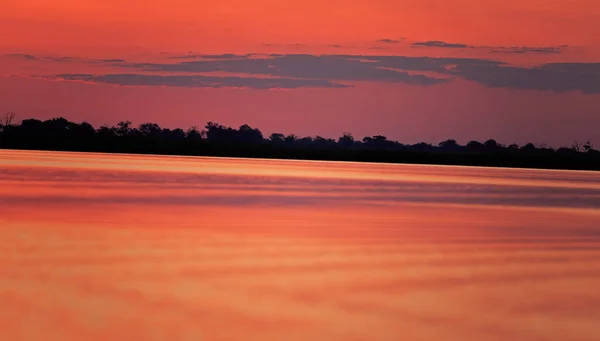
x=216 y=140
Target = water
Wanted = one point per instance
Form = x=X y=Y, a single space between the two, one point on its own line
x=122 y=247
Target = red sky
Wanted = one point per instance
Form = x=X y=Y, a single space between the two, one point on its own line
x=511 y=102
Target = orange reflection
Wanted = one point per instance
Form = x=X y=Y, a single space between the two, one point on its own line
x=152 y=267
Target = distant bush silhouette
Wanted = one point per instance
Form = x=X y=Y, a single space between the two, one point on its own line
x=218 y=140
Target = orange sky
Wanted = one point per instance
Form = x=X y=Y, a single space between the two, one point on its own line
x=223 y=25
x=147 y=31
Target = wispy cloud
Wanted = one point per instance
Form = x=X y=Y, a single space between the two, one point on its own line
x=21 y=56
x=493 y=49
x=211 y=56
x=196 y=81
x=326 y=67
x=390 y=41
x=291 y=71
x=61 y=59
x=529 y=49
x=557 y=77
x=297 y=46
x=29 y=57
x=442 y=44
x=110 y=60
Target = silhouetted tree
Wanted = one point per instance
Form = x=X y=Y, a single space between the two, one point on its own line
x=529 y=148
x=422 y=146
x=123 y=128
x=565 y=150
x=474 y=145
x=193 y=134
x=249 y=135
x=380 y=142
x=106 y=132
x=7 y=120
x=217 y=140
x=588 y=146
x=491 y=144
x=31 y=125
x=305 y=142
x=176 y=134
x=216 y=132
x=291 y=138
x=449 y=144
x=277 y=138
x=346 y=140
x=150 y=129
x=322 y=142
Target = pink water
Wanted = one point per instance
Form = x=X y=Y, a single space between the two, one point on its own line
x=122 y=247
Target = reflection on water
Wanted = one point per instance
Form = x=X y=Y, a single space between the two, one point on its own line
x=122 y=247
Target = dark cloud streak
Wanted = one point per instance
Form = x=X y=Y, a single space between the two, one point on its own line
x=494 y=49
x=22 y=56
x=110 y=61
x=527 y=49
x=291 y=71
x=389 y=41
x=62 y=59
x=442 y=44
x=327 y=67
x=212 y=56
x=548 y=77
x=194 y=81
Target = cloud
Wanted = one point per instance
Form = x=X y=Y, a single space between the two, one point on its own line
x=211 y=56
x=291 y=71
x=442 y=44
x=195 y=81
x=38 y=58
x=547 y=77
x=389 y=41
x=21 y=56
x=494 y=49
x=557 y=77
x=305 y=66
x=291 y=45
x=298 y=46
x=528 y=49
x=110 y=60
x=441 y=66
x=62 y=59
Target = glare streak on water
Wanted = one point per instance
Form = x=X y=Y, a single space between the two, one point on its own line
x=123 y=247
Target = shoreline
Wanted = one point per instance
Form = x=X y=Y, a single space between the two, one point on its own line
x=376 y=157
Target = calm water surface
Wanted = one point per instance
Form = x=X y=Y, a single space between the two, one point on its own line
x=121 y=247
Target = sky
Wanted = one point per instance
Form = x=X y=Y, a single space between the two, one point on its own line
x=412 y=70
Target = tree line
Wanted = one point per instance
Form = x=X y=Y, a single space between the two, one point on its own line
x=217 y=140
